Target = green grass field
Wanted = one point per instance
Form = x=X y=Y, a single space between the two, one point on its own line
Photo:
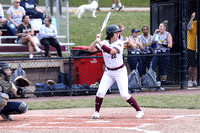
x=102 y=3
x=157 y=101
x=83 y=31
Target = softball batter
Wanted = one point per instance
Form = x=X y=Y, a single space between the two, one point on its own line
x=112 y=49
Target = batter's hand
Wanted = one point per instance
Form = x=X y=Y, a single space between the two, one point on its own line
x=98 y=38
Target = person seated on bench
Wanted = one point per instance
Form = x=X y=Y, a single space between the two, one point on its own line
x=25 y=32
x=3 y=21
x=32 y=9
x=48 y=35
x=15 y=14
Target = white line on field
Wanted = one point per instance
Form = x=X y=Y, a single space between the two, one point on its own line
x=96 y=121
x=182 y=116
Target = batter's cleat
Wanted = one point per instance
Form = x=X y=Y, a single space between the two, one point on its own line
x=194 y=83
x=190 y=83
x=6 y=117
x=120 y=8
x=96 y=115
x=139 y=114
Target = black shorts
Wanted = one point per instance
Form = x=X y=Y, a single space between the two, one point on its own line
x=191 y=58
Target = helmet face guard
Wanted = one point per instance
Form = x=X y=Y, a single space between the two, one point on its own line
x=111 y=29
x=3 y=66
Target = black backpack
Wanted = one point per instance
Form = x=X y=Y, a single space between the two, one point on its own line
x=63 y=78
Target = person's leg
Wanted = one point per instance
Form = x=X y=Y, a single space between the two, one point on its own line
x=51 y=6
x=163 y=63
x=113 y=5
x=31 y=49
x=38 y=15
x=122 y=83
x=132 y=61
x=105 y=84
x=119 y=3
x=45 y=43
x=54 y=43
x=60 y=8
x=194 y=75
x=29 y=38
x=13 y=108
x=12 y=28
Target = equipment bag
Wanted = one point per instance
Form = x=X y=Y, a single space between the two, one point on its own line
x=63 y=78
x=134 y=79
x=149 y=79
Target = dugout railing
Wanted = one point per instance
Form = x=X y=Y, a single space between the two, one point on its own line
x=86 y=80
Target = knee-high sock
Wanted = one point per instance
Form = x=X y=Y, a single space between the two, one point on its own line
x=133 y=103
x=98 y=102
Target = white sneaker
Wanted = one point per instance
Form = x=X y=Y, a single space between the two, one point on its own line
x=190 y=83
x=139 y=114
x=6 y=117
x=194 y=83
x=96 y=115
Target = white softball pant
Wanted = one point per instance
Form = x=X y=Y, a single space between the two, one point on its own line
x=109 y=77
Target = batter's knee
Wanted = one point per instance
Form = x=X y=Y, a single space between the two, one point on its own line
x=100 y=94
x=23 y=107
x=125 y=96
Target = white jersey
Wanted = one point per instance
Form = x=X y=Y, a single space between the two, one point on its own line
x=114 y=60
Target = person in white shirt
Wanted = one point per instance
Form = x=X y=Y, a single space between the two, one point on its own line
x=3 y=21
x=15 y=14
x=48 y=35
x=115 y=70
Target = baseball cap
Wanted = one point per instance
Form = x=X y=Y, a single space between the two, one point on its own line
x=135 y=30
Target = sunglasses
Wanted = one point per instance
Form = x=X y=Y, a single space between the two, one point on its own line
x=17 y=2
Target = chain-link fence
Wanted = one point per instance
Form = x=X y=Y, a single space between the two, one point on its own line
x=81 y=75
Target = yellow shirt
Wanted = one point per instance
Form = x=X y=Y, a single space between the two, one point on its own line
x=191 y=36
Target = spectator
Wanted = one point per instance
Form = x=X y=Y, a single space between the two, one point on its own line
x=48 y=35
x=119 y=5
x=15 y=14
x=32 y=9
x=25 y=35
x=3 y=21
x=1 y=12
x=192 y=51
x=136 y=50
x=145 y=39
x=164 y=44
x=60 y=7
x=126 y=40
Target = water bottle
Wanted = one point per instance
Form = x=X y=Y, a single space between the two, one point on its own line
x=156 y=38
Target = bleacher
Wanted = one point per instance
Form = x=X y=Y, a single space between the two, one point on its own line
x=8 y=45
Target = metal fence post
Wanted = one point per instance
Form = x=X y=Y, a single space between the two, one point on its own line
x=57 y=16
x=182 y=24
x=70 y=75
x=46 y=4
